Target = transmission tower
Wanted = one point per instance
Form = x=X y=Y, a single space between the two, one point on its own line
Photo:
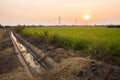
x=59 y=20
x=75 y=21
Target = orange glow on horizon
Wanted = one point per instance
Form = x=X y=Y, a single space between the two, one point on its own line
x=48 y=11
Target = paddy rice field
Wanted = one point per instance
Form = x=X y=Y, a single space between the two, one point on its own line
x=90 y=40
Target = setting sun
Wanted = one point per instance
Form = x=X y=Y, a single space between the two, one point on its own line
x=86 y=17
x=13 y=12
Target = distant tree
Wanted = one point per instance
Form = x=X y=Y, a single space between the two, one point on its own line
x=7 y=26
x=0 y=26
x=19 y=28
x=113 y=26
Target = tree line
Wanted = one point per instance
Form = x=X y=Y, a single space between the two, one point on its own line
x=108 y=26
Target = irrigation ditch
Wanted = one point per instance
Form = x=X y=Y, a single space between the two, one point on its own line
x=34 y=59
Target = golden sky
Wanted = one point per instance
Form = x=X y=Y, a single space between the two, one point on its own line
x=14 y=12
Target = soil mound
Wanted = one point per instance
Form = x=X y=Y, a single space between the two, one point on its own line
x=82 y=69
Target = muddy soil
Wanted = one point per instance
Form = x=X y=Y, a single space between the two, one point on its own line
x=82 y=69
x=10 y=67
x=74 y=65
x=58 y=54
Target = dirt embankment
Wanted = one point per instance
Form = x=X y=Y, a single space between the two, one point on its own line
x=58 y=54
x=74 y=65
x=10 y=67
x=82 y=69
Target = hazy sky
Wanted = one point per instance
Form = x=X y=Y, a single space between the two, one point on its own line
x=47 y=11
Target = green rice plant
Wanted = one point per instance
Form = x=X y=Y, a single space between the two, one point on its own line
x=92 y=40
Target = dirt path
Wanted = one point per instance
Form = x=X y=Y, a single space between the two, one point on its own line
x=10 y=67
